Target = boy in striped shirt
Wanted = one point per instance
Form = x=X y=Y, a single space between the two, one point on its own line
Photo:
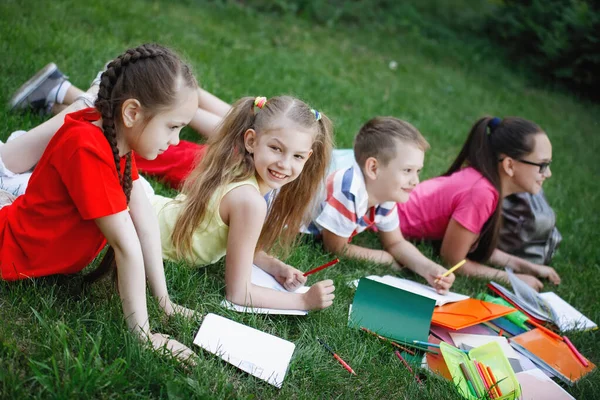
x=389 y=155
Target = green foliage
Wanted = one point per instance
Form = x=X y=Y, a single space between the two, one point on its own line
x=429 y=16
x=559 y=38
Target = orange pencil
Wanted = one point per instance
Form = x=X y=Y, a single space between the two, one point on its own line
x=496 y=386
x=493 y=391
x=412 y=353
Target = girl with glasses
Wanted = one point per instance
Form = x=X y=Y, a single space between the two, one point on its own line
x=462 y=210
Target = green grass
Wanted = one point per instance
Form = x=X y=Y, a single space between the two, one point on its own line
x=59 y=341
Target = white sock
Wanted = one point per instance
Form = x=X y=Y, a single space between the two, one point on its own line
x=57 y=94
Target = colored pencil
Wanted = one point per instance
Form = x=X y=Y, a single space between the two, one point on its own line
x=576 y=352
x=408 y=366
x=493 y=392
x=412 y=353
x=487 y=384
x=435 y=345
x=451 y=270
x=496 y=386
x=419 y=347
x=545 y=330
x=469 y=379
x=344 y=363
x=329 y=264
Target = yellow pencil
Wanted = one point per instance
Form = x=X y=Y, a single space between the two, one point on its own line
x=451 y=270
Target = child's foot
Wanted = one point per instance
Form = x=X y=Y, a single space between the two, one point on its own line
x=40 y=92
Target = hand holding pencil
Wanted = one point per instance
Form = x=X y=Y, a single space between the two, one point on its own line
x=289 y=277
x=443 y=279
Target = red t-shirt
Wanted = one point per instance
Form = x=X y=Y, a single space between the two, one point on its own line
x=51 y=229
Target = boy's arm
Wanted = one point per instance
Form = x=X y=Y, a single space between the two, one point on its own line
x=405 y=253
x=339 y=245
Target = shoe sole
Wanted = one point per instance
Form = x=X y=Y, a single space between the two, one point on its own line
x=32 y=84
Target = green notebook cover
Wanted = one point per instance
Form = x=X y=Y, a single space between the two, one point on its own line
x=391 y=312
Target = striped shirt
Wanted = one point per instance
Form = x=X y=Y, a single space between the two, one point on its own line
x=343 y=207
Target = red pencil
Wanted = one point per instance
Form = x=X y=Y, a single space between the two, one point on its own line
x=329 y=264
x=344 y=363
x=576 y=352
x=407 y=366
x=545 y=330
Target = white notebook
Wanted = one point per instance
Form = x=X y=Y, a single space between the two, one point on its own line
x=568 y=317
x=265 y=356
x=417 y=288
x=264 y=279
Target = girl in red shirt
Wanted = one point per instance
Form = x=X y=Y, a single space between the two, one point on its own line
x=85 y=190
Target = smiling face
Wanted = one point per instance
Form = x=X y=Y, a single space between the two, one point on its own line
x=396 y=180
x=279 y=153
x=527 y=177
x=150 y=137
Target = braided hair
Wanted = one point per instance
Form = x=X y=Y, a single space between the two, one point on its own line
x=151 y=74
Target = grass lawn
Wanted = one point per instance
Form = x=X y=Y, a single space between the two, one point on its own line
x=57 y=341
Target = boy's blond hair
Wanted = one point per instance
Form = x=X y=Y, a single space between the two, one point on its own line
x=377 y=138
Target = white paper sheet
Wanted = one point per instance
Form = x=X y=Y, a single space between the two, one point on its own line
x=417 y=288
x=264 y=279
x=569 y=318
x=258 y=353
x=535 y=385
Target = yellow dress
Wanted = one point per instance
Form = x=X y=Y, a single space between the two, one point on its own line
x=209 y=242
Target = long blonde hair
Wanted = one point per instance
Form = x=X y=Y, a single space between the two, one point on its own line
x=227 y=161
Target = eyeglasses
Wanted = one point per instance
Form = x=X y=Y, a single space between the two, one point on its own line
x=543 y=166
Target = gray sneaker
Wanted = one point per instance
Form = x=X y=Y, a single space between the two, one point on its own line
x=33 y=95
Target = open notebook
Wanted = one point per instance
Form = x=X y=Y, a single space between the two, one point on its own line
x=546 y=306
x=416 y=288
x=258 y=353
x=262 y=278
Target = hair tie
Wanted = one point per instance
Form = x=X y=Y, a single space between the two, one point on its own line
x=316 y=114
x=260 y=102
x=493 y=123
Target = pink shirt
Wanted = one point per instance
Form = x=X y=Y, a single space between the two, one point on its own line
x=466 y=195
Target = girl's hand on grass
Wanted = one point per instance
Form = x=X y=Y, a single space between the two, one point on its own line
x=543 y=271
x=531 y=281
x=320 y=295
x=289 y=277
x=173 y=347
x=171 y=308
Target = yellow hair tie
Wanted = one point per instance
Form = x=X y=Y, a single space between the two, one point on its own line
x=260 y=101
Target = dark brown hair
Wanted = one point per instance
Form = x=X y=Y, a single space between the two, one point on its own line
x=377 y=138
x=227 y=161
x=153 y=75
x=488 y=140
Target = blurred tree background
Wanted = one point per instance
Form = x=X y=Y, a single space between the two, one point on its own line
x=557 y=42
